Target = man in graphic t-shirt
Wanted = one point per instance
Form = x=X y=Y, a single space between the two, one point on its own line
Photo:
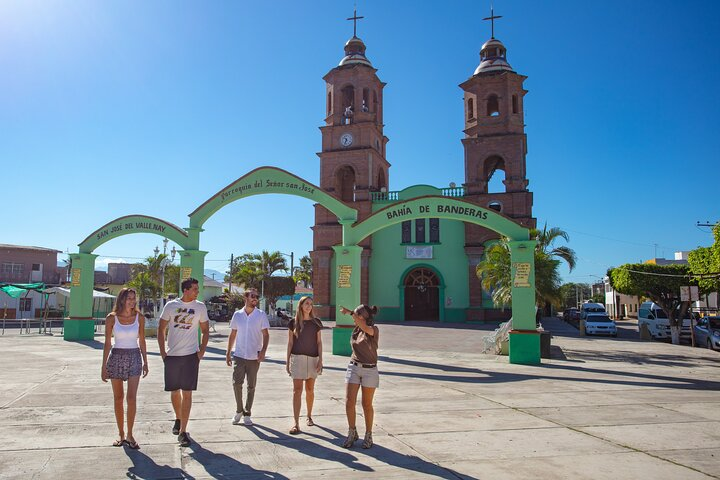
x=249 y=335
x=181 y=318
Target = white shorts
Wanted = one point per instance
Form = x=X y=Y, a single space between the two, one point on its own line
x=363 y=376
x=303 y=367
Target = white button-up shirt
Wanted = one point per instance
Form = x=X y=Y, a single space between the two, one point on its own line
x=249 y=339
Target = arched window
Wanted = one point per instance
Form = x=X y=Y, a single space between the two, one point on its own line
x=374 y=106
x=366 y=100
x=514 y=104
x=348 y=103
x=345 y=184
x=490 y=168
x=493 y=106
x=470 y=109
x=495 y=205
x=329 y=103
x=381 y=182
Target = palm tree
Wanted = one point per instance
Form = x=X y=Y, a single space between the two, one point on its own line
x=495 y=275
x=304 y=271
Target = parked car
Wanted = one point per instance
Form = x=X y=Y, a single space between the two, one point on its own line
x=654 y=318
x=571 y=314
x=588 y=308
x=599 y=324
x=707 y=333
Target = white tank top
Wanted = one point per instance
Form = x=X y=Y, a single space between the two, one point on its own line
x=126 y=336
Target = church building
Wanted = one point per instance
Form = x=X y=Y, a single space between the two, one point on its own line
x=422 y=269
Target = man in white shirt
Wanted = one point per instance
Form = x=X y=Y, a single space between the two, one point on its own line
x=181 y=318
x=249 y=335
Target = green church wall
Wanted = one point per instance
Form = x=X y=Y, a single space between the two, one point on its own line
x=389 y=265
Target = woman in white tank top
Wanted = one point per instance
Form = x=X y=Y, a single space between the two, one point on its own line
x=126 y=361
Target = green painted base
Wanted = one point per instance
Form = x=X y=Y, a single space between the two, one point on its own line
x=341 y=341
x=525 y=347
x=76 y=330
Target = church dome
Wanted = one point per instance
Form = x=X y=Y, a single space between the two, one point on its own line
x=354 y=53
x=493 y=57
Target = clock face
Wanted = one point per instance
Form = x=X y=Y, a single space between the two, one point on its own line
x=346 y=139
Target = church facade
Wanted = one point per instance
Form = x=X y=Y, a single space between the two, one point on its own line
x=422 y=269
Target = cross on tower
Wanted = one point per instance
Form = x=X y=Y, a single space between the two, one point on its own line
x=355 y=18
x=492 y=18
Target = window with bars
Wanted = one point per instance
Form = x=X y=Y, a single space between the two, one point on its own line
x=406 y=232
x=10 y=267
x=434 y=230
x=420 y=230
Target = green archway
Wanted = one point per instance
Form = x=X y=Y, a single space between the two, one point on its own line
x=524 y=339
x=263 y=180
x=81 y=325
x=270 y=180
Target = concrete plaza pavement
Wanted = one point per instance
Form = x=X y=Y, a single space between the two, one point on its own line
x=602 y=408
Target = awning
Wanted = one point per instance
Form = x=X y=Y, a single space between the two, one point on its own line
x=65 y=292
x=17 y=290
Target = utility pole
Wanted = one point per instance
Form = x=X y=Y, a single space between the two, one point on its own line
x=292 y=266
x=231 y=272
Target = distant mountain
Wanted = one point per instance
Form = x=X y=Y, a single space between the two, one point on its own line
x=219 y=276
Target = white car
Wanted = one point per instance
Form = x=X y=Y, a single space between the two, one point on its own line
x=600 y=324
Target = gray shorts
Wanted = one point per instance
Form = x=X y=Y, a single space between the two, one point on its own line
x=363 y=376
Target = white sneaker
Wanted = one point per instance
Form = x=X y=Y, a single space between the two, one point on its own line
x=237 y=418
x=247 y=421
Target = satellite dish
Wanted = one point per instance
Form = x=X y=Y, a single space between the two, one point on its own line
x=452 y=184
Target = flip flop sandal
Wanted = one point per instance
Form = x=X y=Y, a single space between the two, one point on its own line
x=133 y=444
x=294 y=431
x=310 y=422
x=118 y=443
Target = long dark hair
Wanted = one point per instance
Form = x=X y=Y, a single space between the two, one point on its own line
x=368 y=313
x=122 y=298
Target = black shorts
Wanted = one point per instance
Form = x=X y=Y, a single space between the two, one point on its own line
x=181 y=373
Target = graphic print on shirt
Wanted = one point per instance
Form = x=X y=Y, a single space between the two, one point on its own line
x=183 y=318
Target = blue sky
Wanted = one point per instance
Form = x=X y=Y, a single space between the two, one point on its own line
x=113 y=108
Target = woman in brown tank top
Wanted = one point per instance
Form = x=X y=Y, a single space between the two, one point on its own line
x=362 y=372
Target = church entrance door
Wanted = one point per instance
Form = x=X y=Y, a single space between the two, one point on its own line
x=422 y=295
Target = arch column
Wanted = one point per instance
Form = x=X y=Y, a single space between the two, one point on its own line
x=524 y=344
x=80 y=325
x=192 y=264
x=347 y=294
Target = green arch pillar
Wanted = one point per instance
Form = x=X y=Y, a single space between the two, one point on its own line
x=192 y=264
x=524 y=345
x=347 y=294
x=80 y=325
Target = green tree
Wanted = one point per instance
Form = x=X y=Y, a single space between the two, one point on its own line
x=705 y=261
x=574 y=293
x=659 y=283
x=255 y=270
x=303 y=273
x=495 y=275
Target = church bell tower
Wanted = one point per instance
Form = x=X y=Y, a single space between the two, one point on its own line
x=352 y=159
x=495 y=143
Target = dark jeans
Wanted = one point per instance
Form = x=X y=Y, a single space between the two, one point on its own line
x=244 y=368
